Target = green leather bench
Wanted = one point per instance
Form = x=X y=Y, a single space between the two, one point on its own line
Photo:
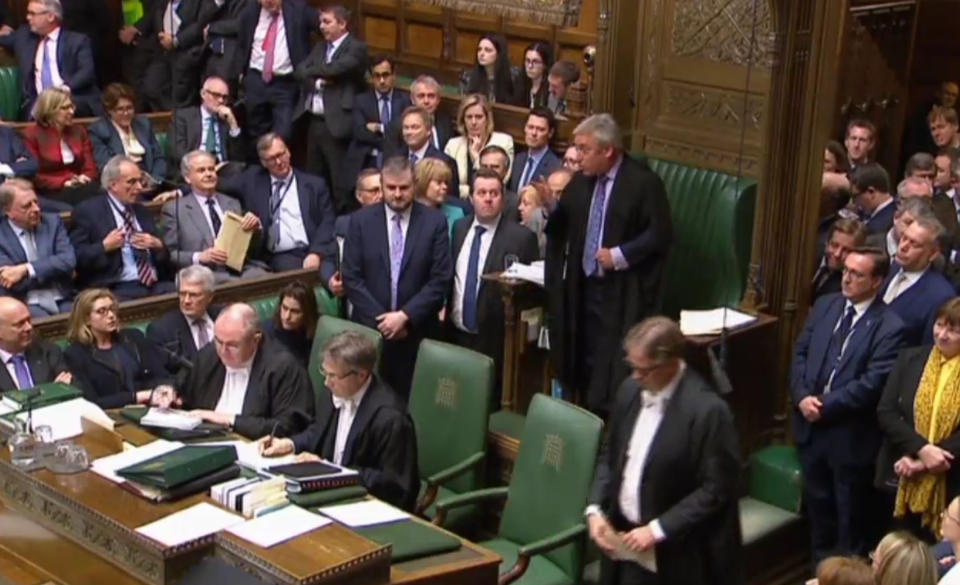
x=10 y=94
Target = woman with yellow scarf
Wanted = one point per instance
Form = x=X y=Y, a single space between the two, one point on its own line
x=919 y=414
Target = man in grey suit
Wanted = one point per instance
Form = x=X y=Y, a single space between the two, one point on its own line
x=36 y=257
x=191 y=223
x=332 y=75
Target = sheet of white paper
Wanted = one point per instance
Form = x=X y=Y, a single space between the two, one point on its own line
x=248 y=455
x=189 y=524
x=170 y=419
x=529 y=272
x=107 y=466
x=366 y=513
x=713 y=321
x=279 y=526
x=646 y=559
x=64 y=418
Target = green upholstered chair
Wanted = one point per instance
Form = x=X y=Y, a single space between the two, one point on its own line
x=450 y=406
x=712 y=215
x=327 y=327
x=9 y=94
x=542 y=529
x=163 y=141
x=327 y=304
x=265 y=308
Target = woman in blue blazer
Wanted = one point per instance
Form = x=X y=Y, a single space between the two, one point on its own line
x=121 y=131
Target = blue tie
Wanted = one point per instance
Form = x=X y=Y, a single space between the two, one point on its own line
x=835 y=348
x=46 y=71
x=527 y=169
x=384 y=110
x=24 y=379
x=594 y=227
x=470 y=284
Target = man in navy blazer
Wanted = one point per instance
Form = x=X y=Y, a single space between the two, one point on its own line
x=424 y=93
x=915 y=290
x=367 y=193
x=538 y=161
x=373 y=112
x=68 y=54
x=842 y=357
x=870 y=186
x=270 y=89
x=397 y=269
x=293 y=206
x=417 y=128
x=15 y=159
x=36 y=258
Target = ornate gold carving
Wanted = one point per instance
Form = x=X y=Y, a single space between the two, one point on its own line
x=552 y=455
x=720 y=30
x=447 y=392
x=721 y=107
x=701 y=156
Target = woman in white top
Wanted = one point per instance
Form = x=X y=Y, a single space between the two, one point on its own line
x=475 y=124
x=122 y=132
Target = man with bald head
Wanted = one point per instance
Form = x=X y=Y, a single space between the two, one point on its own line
x=243 y=382
x=27 y=361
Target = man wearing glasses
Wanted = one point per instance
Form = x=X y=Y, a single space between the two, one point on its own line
x=211 y=126
x=360 y=424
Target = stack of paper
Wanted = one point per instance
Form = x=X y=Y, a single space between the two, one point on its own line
x=713 y=321
x=529 y=272
x=279 y=526
x=169 y=418
x=190 y=524
x=365 y=513
x=107 y=466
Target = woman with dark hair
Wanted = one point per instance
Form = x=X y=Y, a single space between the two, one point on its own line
x=492 y=75
x=122 y=131
x=835 y=158
x=534 y=89
x=295 y=320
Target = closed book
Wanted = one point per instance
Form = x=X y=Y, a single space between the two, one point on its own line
x=183 y=490
x=180 y=466
x=410 y=539
x=314 y=475
x=51 y=393
x=340 y=495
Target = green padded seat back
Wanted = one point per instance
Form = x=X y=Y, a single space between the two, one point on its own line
x=551 y=477
x=140 y=326
x=712 y=215
x=450 y=406
x=265 y=308
x=327 y=304
x=10 y=94
x=327 y=327
x=163 y=142
x=775 y=477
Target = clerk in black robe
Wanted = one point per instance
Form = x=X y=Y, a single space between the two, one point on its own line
x=589 y=313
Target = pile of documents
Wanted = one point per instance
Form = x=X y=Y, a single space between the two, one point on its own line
x=169 y=418
x=529 y=272
x=712 y=322
x=42 y=395
x=251 y=496
x=64 y=418
x=310 y=476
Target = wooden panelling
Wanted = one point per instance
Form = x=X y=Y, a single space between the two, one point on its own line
x=425 y=40
x=380 y=33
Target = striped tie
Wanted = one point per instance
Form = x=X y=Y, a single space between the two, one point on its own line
x=145 y=270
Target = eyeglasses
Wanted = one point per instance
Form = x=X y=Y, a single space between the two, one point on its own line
x=37 y=13
x=217 y=95
x=533 y=61
x=104 y=311
x=277 y=157
x=327 y=374
x=68 y=108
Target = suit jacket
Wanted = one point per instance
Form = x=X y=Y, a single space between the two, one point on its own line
x=74 y=62
x=344 y=75
x=253 y=187
x=172 y=332
x=946 y=214
x=549 y=162
x=43 y=142
x=107 y=143
x=107 y=384
x=917 y=306
x=848 y=415
x=299 y=21
x=381 y=445
x=223 y=43
x=459 y=150
x=14 y=154
x=278 y=391
x=441 y=123
x=689 y=482
x=55 y=261
x=194 y=16
x=45 y=361
x=895 y=414
x=185 y=227
x=189 y=133
x=92 y=220
x=833 y=283
x=883 y=220
x=425 y=269
x=366 y=108
x=453 y=189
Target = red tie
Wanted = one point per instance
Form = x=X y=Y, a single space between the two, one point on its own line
x=269 y=43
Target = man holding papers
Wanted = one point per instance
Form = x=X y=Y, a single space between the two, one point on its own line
x=27 y=361
x=361 y=424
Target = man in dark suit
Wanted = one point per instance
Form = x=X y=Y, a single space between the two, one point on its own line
x=293 y=205
x=562 y=75
x=844 y=235
x=117 y=240
x=222 y=42
x=15 y=159
x=245 y=383
x=65 y=58
x=184 y=331
x=36 y=257
x=211 y=126
x=373 y=114
x=417 y=126
x=538 y=161
x=396 y=269
x=424 y=93
x=496 y=159
x=27 y=360
x=607 y=243
x=859 y=140
x=368 y=193
x=360 y=424
x=332 y=75
x=274 y=40
x=841 y=361
x=480 y=245
x=915 y=290
x=667 y=475
x=870 y=188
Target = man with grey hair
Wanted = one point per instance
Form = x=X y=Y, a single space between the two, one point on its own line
x=919 y=183
x=424 y=93
x=360 y=424
x=908 y=209
x=607 y=243
x=184 y=331
x=116 y=238
x=245 y=383
x=48 y=56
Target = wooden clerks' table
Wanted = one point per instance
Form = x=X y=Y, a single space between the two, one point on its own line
x=81 y=529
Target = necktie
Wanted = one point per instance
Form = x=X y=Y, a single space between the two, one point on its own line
x=835 y=348
x=594 y=227
x=436 y=141
x=214 y=216
x=42 y=297
x=470 y=284
x=413 y=158
x=269 y=46
x=895 y=285
x=210 y=142
x=329 y=54
x=384 y=109
x=527 y=169
x=202 y=338
x=145 y=270
x=46 y=71
x=24 y=379
x=275 y=200
x=396 y=258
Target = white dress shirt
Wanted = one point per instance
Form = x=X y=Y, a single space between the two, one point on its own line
x=422 y=152
x=65 y=153
x=11 y=369
x=900 y=283
x=51 y=46
x=281 y=53
x=234 y=389
x=128 y=272
x=171 y=20
x=463 y=261
x=293 y=234
x=316 y=103
x=348 y=412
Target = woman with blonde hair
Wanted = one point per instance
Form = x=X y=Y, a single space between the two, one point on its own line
x=902 y=559
x=475 y=124
x=431 y=185
x=114 y=368
x=533 y=211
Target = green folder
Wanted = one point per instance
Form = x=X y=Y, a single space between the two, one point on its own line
x=326 y=497
x=410 y=539
x=50 y=393
x=180 y=466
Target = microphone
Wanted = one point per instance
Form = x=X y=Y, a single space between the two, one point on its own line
x=174 y=355
x=30 y=394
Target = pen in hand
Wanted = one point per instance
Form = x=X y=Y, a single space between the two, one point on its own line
x=268 y=441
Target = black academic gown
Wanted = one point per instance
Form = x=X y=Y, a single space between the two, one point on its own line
x=381 y=445
x=278 y=392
